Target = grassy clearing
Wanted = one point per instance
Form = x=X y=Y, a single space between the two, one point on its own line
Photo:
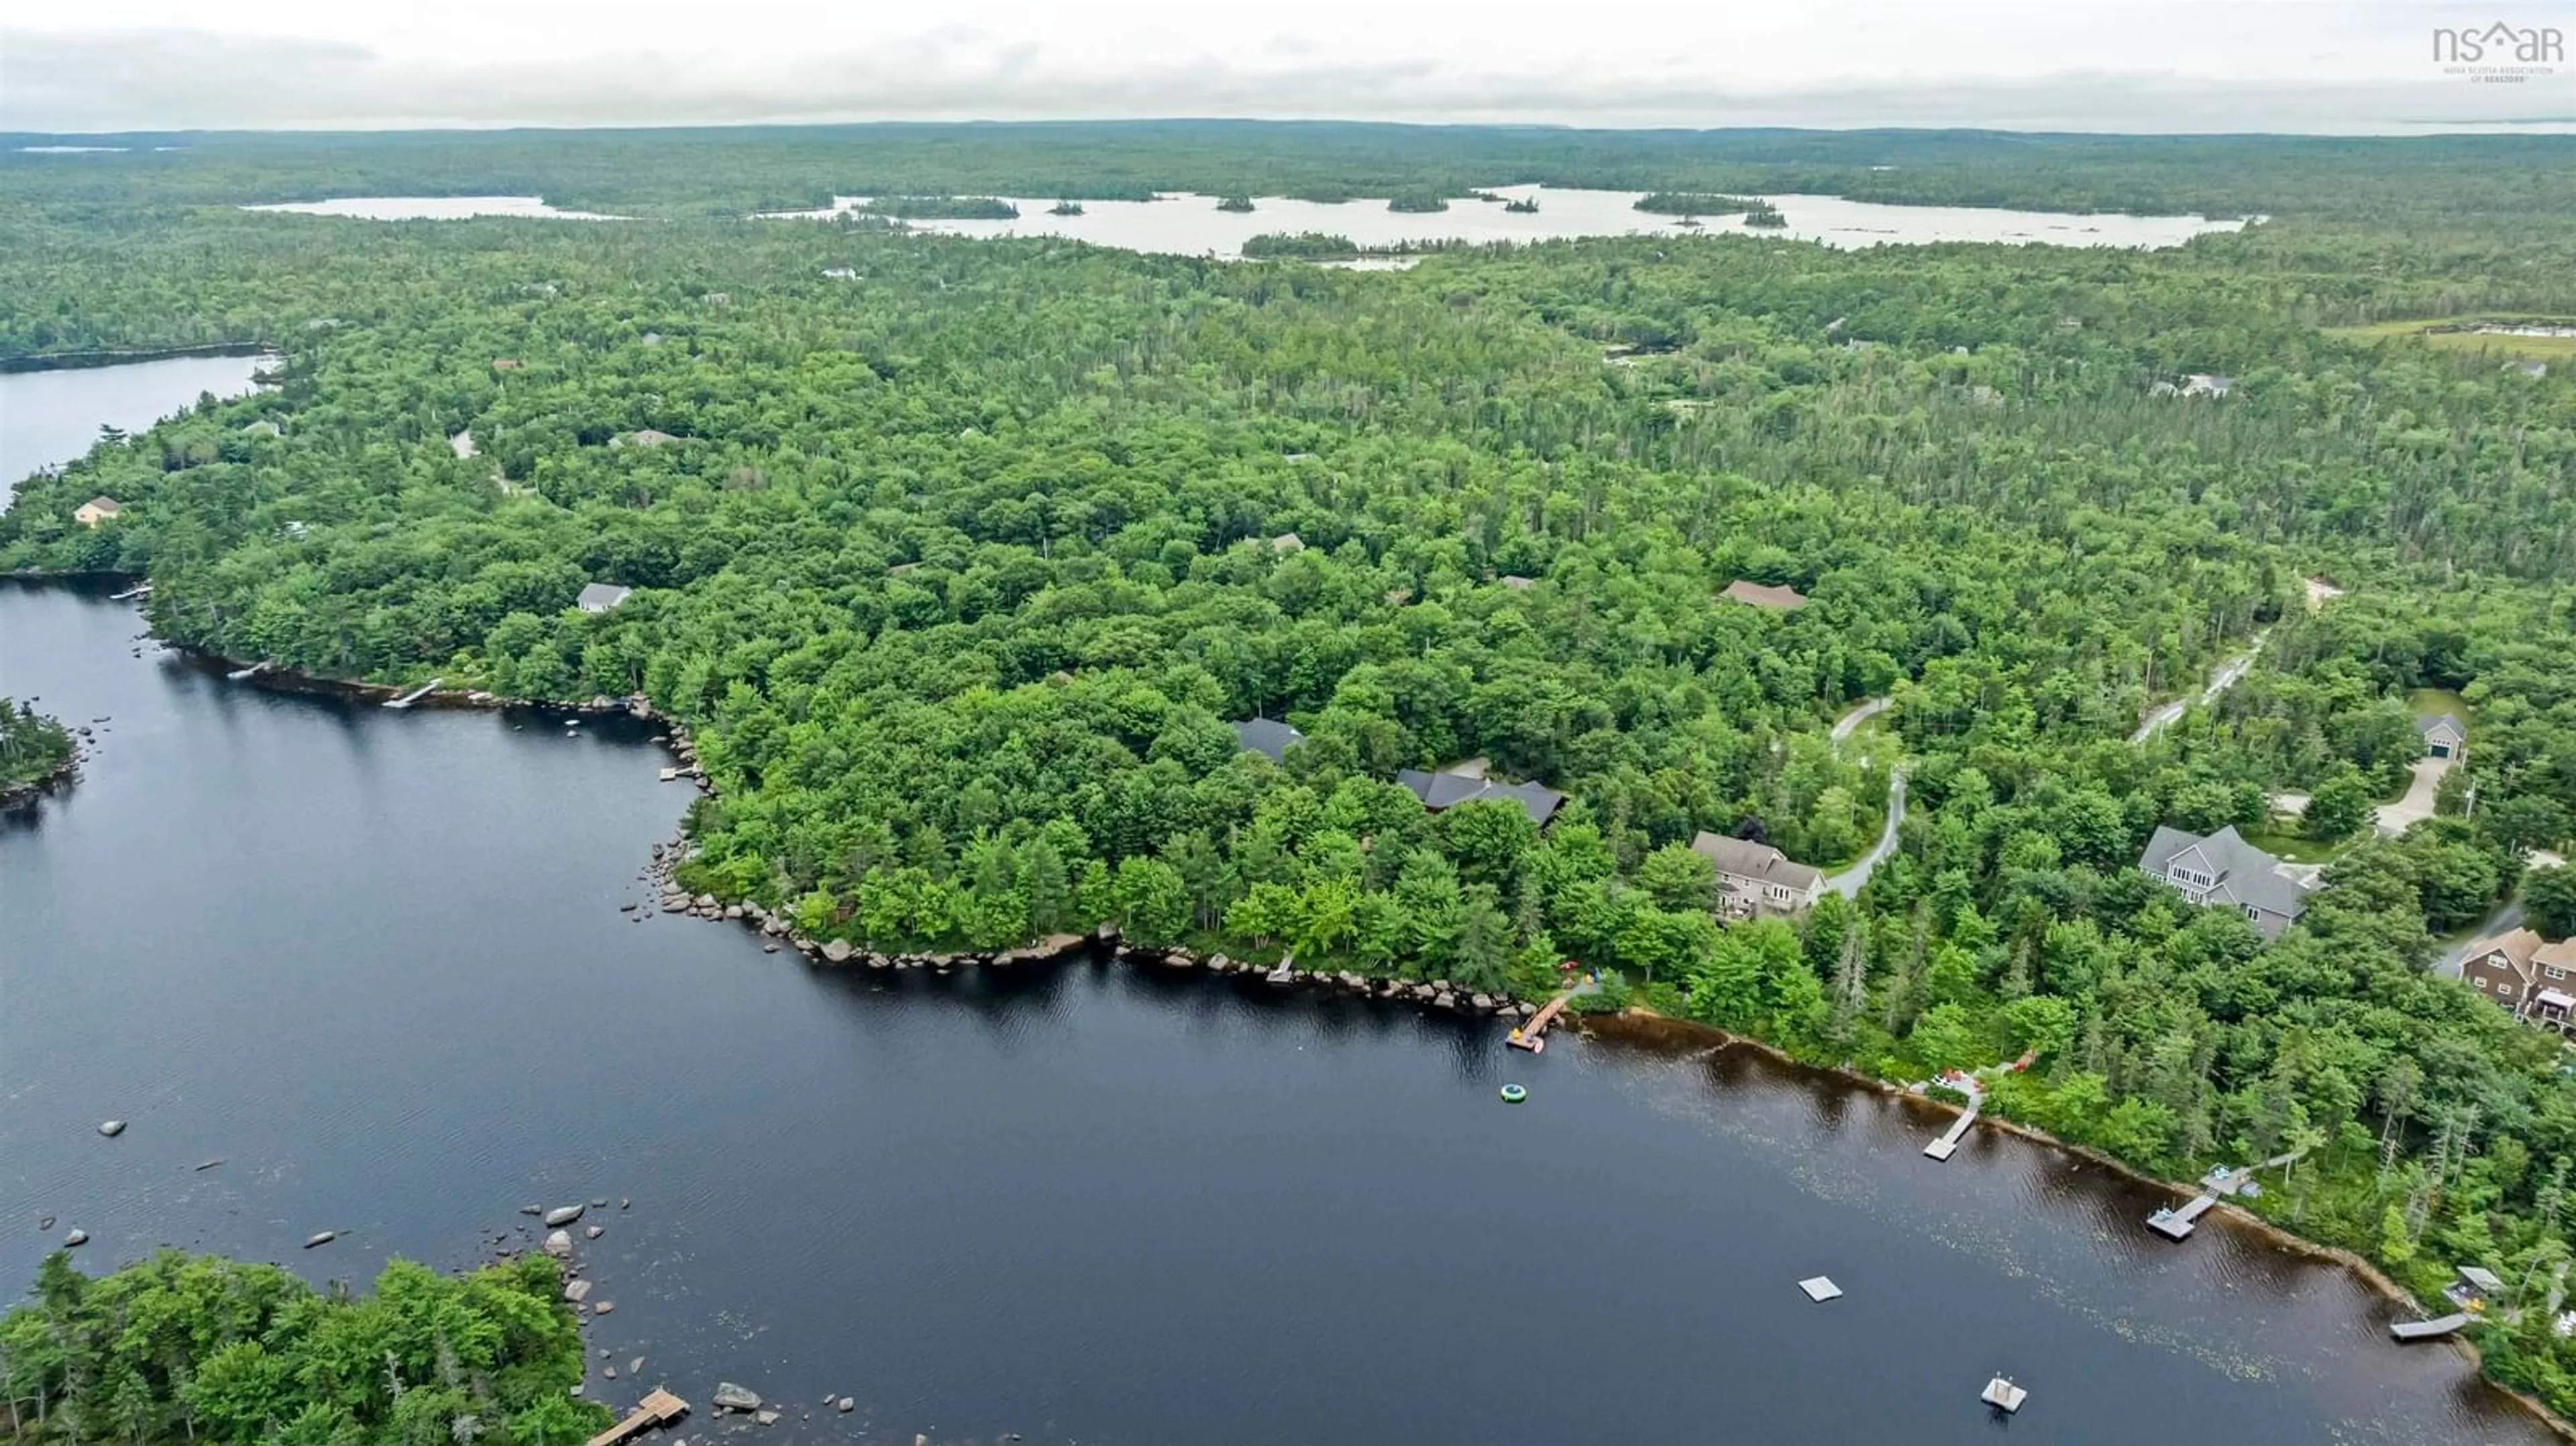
x=2433 y=702
x=2294 y=846
x=2458 y=333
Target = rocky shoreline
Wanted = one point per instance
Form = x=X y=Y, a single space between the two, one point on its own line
x=24 y=795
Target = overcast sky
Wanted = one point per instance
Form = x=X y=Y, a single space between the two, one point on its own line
x=2172 y=65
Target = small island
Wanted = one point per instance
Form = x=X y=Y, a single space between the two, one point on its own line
x=1240 y=205
x=1065 y=208
x=1303 y=246
x=1522 y=206
x=1766 y=215
x=943 y=208
x=1417 y=203
x=35 y=752
x=1699 y=203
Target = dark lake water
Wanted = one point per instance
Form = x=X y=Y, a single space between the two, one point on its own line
x=374 y=961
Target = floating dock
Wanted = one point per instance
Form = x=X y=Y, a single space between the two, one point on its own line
x=2178 y=1224
x=2003 y=1395
x=416 y=694
x=658 y=1409
x=1948 y=1144
x=1820 y=1288
x=2427 y=1330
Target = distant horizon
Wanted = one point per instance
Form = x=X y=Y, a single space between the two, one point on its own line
x=2539 y=126
x=2124 y=67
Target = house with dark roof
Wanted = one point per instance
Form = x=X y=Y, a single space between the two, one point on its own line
x=1451 y=787
x=1755 y=878
x=1266 y=736
x=2444 y=735
x=1760 y=595
x=2224 y=871
x=2525 y=976
x=599 y=597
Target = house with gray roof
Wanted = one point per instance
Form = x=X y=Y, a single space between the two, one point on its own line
x=2224 y=871
x=2444 y=735
x=1755 y=878
x=599 y=597
x=1446 y=790
x=1266 y=736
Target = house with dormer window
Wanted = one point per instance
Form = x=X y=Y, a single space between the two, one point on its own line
x=2222 y=870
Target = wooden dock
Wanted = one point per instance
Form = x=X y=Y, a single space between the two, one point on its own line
x=1531 y=1033
x=2178 y=1224
x=1948 y=1144
x=416 y=694
x=139 y=590
x=2428 y=1330
x=242 y=675
x=657 y=1409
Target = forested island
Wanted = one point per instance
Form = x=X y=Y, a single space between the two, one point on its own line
x=959 y=586
x=1765 y=215
x=1417 y=201
x=35 y=750
x=943 y=208
x=1684 y=203
x=1522 y=206
x=191 y=1347
x=1065 y=208
x=1240 y=205
x=1299 y=246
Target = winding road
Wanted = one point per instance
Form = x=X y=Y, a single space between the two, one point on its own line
x=1848 y=882
x=2227 y=676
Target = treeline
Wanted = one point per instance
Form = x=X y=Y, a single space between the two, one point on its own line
x=2427 y=185
x=191 y=1347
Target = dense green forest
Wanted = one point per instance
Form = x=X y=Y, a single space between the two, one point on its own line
x=193 y=1347
x=33 y=746
x=962 y=554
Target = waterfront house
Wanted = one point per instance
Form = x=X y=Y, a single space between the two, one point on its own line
x=599 y=597
x=1755 y=878
x=1466 y=783
x=1754 y=594
x=96 y=510
x=1287 y=542
x=2206 y=384
x=263 y=428
x=2224 y=871
x=1266 y=736
x=2526 y=977
x=2445 y=736
x=648 y=437
x=1516 y=582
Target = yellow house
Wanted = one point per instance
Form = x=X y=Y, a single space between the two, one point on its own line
x=95 y=511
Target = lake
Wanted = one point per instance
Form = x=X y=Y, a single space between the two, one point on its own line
x=432 y=208
x=54 y=416
x=1191 y=225
x=375 y=963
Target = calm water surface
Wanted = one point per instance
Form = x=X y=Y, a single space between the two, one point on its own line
x=375 y=963
x=54 y=416
x=432 y=208
x=1191 y=225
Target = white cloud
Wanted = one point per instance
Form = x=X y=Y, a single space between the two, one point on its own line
x=2195 y=65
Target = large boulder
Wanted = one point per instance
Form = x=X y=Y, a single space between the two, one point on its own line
x=559 y=1244
x=838 y=951
x=563 y=1215
x=730 y=1397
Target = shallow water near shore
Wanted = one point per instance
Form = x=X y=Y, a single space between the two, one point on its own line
x=375 y=962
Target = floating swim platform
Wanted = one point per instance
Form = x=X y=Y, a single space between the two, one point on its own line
x=1820 y=1288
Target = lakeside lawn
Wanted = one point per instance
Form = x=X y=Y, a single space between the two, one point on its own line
x=2528 y=348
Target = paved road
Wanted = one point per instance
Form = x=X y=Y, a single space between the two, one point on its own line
x=1844 y=725
x=1848 y=882
x=2392 y=819
x=2225 y=678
